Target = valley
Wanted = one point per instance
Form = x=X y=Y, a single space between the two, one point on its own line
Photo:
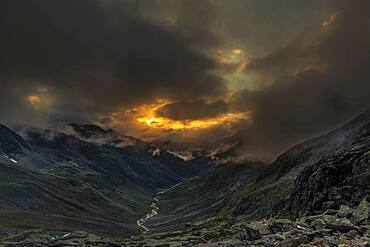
x=104 y=194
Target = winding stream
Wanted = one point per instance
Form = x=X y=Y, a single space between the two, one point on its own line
x=154 y=211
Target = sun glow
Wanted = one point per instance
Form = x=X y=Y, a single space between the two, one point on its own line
x=39 y=101
x=146 y=115
x=34 y=100
x=228 y=56
x=165 y=123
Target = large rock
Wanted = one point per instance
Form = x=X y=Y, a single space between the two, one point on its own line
x=361 y=213
x=251 y=234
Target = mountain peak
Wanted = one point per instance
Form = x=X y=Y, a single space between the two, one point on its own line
x=89 y=130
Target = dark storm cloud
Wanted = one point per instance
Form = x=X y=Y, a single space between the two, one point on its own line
x=95 y=58
x=85 y=59
x=193 y=109
x=318 y=85
x=259 y=26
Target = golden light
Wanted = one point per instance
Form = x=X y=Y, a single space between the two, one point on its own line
x=228 y=56
x=237 y=51
x=39 y=101
x=34 y=100
x=165 y=123
x=146 y=115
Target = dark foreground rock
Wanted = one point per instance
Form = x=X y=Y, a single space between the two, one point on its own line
x=325 y=230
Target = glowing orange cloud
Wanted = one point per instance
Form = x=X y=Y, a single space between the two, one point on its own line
x=166 y=123
x=145 y=115
x=34 y=100
x=38 y=101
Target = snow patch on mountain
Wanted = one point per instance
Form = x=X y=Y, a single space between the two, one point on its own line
x=215 y=153
x=154 y=151
x=184 y=155
x=11 y=159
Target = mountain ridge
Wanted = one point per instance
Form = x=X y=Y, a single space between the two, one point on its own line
x=101 y=182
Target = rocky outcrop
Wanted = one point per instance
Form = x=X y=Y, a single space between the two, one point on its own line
x=340 y=178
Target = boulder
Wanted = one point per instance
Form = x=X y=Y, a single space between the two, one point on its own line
x=344 y=211
x=281 y=225
x=361 y=213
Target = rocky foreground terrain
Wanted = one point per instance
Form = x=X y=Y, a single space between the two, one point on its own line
x=344 y=227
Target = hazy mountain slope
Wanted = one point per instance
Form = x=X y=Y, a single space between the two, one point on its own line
x=295 y=159
x=276 y=183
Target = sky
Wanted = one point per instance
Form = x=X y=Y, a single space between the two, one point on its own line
x=189 y=71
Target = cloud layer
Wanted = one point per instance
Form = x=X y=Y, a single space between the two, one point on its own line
x=295 y=68
x=94 y=59
x=319 y=81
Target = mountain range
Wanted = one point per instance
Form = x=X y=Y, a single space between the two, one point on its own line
x=85 y=178
x=82 y=177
